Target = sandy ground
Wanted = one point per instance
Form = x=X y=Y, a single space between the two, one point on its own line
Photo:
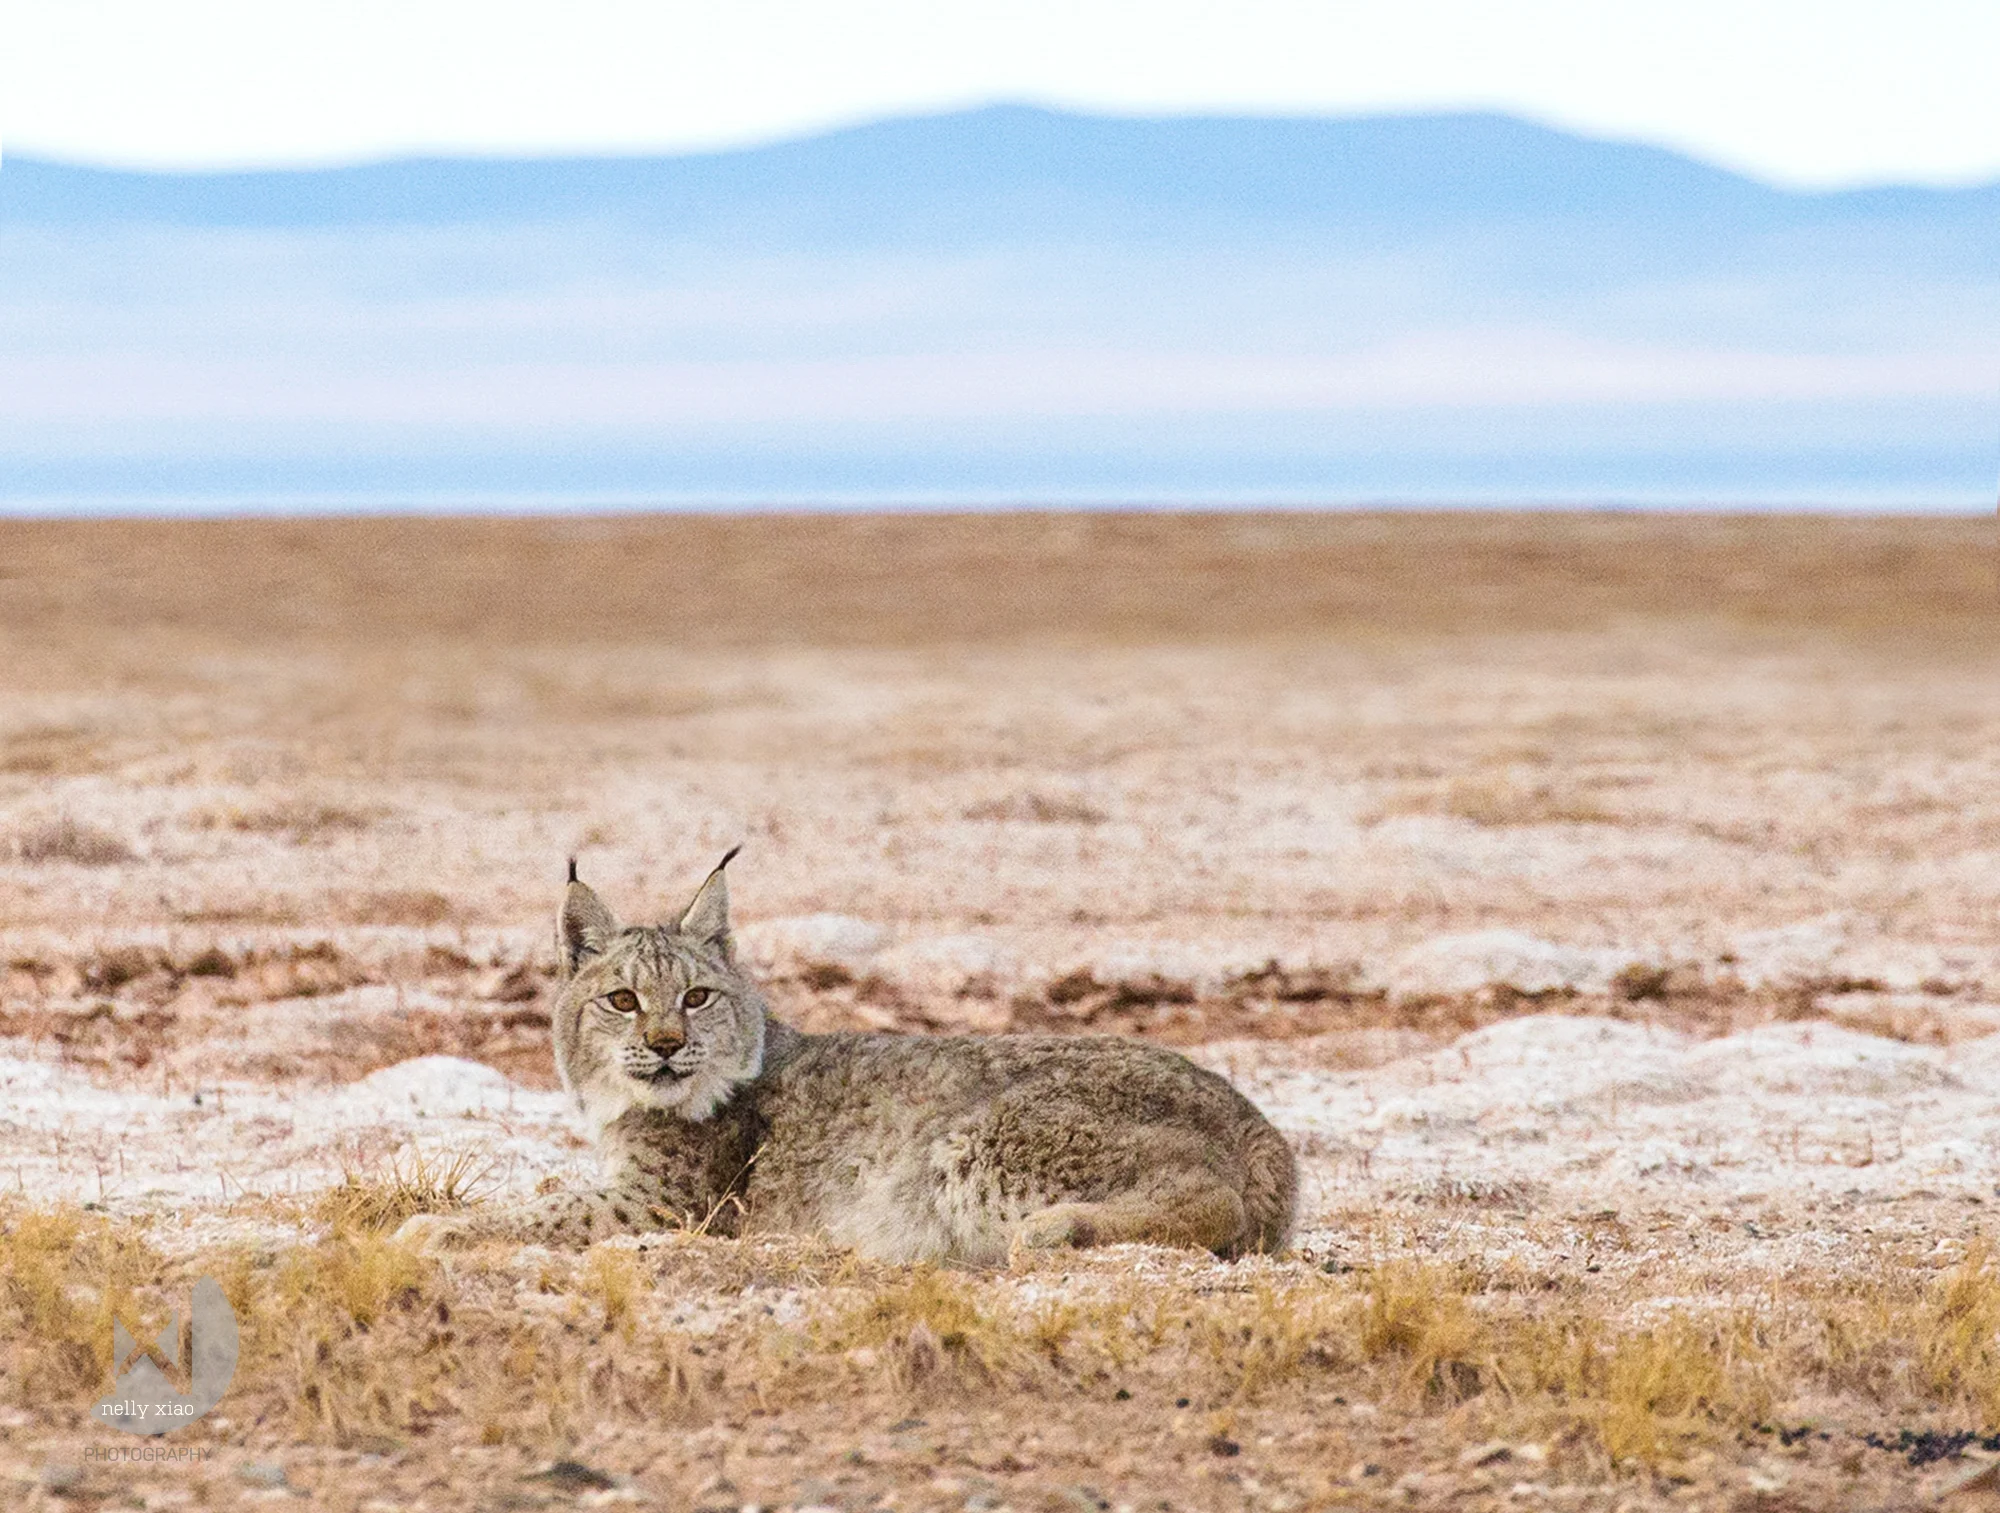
x=1581 y=894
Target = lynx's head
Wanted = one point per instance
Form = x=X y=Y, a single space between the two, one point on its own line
x=654 y=1016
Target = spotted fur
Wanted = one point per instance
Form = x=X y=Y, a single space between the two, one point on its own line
x=951 y=1148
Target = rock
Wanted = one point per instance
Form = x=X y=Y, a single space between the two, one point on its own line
x=26 y=1076
x=1817 y=1059
x=1767 y=1479
x=61 y=1479
x=949 y=961
x=1804 y=952
x=436 y=1085
x=1541 y=1062
x=1503 y=959
x=1980 y=1484
x=838 y=938
x=1194 y=966
x=573 y=1476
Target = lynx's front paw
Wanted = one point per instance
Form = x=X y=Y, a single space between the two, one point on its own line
x=431 y=1233
x=1061 y=1226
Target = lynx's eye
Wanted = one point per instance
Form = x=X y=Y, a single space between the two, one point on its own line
x=625 y=1001
x=694 y=998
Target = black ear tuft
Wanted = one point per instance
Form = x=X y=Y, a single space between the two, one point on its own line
x=572 y=869
x=728 y=857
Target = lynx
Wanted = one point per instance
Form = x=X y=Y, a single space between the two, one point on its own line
x=959 y=1149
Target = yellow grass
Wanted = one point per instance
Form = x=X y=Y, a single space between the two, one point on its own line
x=412 y=1182
x=67 y=839
x=64 y=1276
x=1957 y=1334
x=355 y=1341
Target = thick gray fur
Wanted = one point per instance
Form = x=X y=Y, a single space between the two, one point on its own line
x=965 y=1149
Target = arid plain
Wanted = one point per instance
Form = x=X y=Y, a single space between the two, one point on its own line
x=1607 y=905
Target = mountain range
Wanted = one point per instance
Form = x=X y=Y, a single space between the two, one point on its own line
x=1006 y=305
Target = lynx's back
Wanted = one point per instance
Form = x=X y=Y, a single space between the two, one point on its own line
x=933 y=1147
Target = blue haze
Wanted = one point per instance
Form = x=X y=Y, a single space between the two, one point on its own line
x=1008 y=305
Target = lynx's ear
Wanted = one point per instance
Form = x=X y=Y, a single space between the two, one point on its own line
x=707 y=918
x=583 y=926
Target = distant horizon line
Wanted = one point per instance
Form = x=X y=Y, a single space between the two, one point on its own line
x=425 y=156
x=474 y=504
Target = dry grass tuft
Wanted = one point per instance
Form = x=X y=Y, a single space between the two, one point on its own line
x=1958 y=1334
x=372 y=1342
x=1418 y=1315
x=929 y=1328
x=420 y=1182
x=421 y=907
x=49 y=751
x=1473 y=1192
x=1660 y=1389
x=65 y=839
x=612 y=1278
x=1038 y=809
x=824 y=976
x=1262 y=1342
x=1500 y=803
x=350 y=1334
x=64 y=1274
x=356 y=1276
x=298 y=820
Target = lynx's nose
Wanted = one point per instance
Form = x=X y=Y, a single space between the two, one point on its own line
x=664 y=1039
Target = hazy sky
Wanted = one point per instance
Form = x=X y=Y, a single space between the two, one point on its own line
x=1802 y=91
